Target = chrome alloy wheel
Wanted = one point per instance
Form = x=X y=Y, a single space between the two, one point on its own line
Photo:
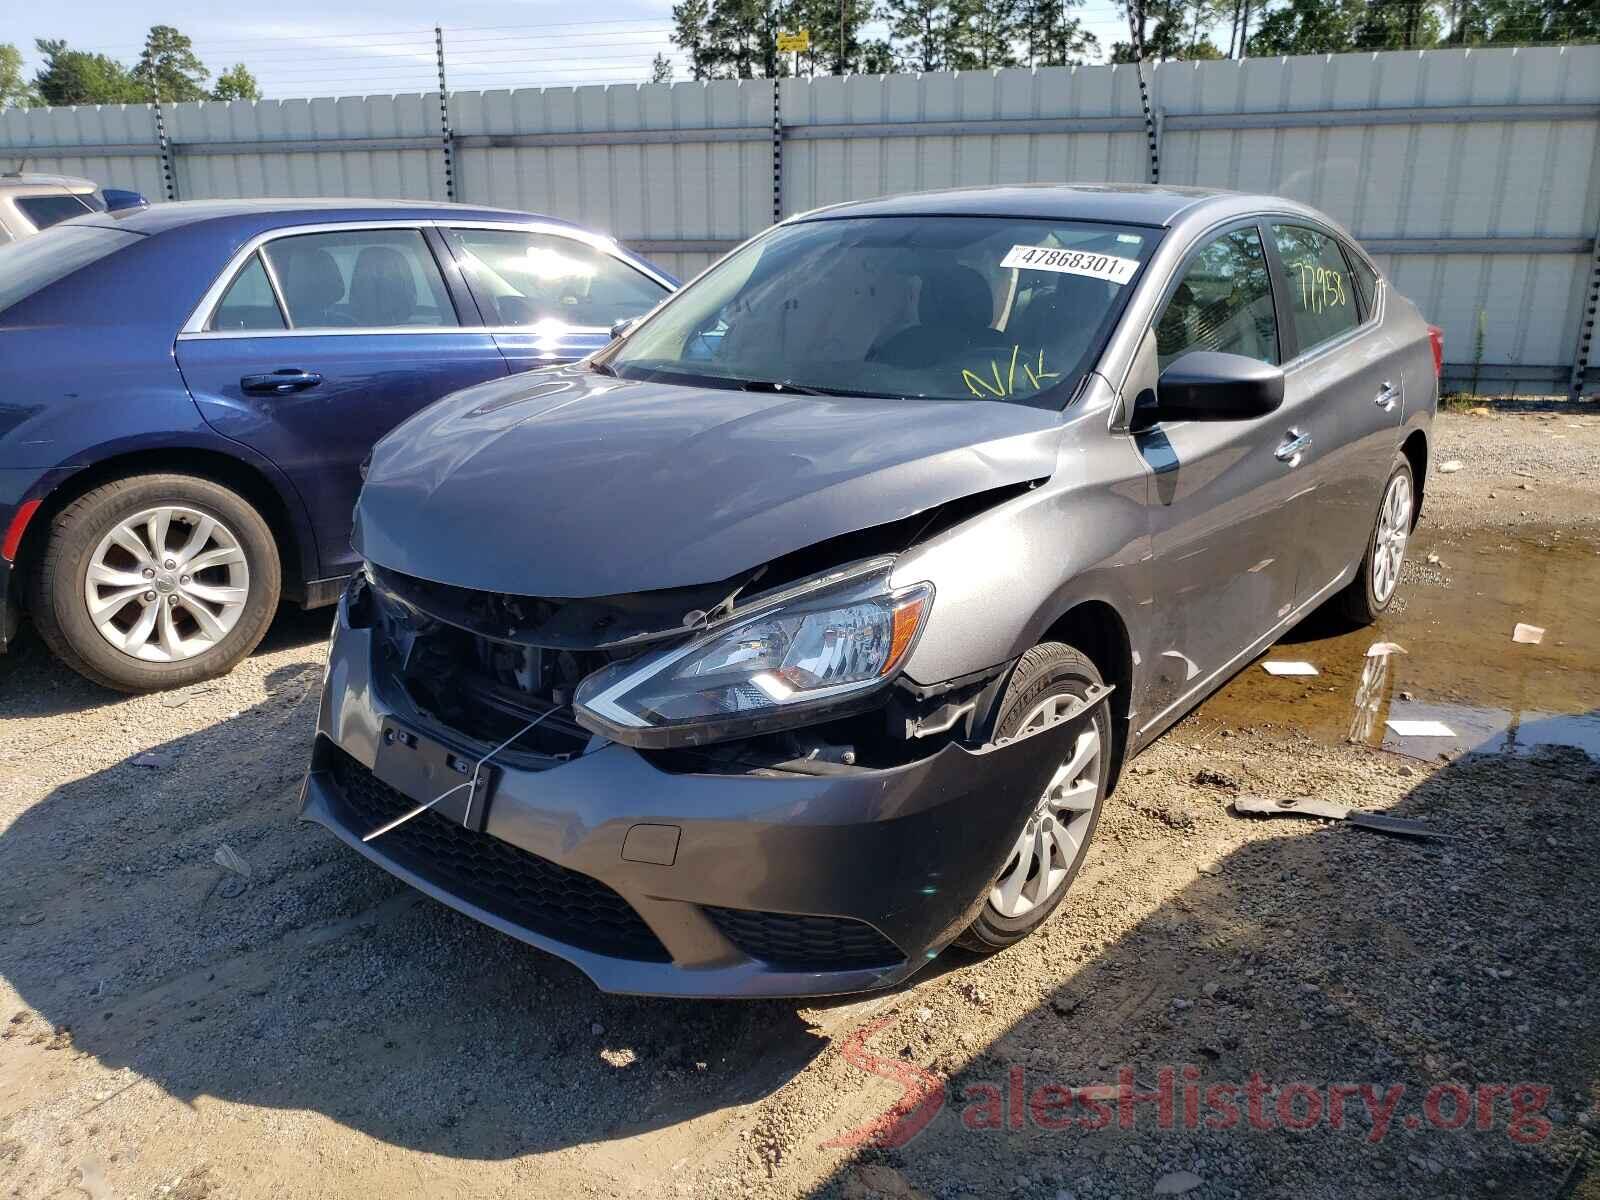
x=1394 y=527
x=1055 y=835
x=166 y=584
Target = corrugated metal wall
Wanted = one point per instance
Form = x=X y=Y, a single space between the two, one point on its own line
x=1473 y=176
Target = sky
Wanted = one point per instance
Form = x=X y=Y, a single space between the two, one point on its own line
x=312 y=48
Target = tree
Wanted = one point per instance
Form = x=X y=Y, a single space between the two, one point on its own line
x=169 y=67
x=986 y=33
x=691 y=33
x=1053 y=38
x=15 y=91
x=921 y=32
x=78 y=77
x=1159 y=26
x=1310 y=27
x=660 y=69
x=236 y=83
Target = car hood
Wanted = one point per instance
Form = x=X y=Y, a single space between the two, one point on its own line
x=568 y=483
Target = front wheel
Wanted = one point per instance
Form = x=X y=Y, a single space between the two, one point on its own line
x=1369 y=593
x=1041 y=863
x=156 y=581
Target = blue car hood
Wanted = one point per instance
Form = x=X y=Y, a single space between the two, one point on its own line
x=568 y=483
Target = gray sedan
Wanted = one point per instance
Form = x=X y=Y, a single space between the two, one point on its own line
x=803 y=631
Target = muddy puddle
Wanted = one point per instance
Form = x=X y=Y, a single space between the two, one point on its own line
x=1460 y=599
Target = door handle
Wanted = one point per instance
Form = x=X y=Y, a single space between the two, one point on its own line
x=1386 y=398
x=1293 y=447
x=280 y=382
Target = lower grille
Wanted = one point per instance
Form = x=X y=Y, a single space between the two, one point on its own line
x=805 y=943
x=499 y=878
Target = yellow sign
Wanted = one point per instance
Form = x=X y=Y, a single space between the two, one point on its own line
x=794 y=42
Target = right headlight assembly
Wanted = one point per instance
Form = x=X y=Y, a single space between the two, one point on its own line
x=814 y=651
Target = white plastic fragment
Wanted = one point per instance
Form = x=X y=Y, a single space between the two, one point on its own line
x=1528 y=635
x=228 y=859
x=1177 y=1183
x=1384 y=649
x=1289 y=668
x=1451 y=467
x=1403 y=728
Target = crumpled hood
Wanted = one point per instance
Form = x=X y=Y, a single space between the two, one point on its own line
x=568 y=483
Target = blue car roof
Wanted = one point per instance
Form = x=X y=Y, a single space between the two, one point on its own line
x=255 y=216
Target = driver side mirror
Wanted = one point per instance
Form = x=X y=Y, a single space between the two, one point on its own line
x=621 y=327
x=1207 y=385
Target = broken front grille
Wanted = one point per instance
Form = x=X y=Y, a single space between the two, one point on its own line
x=524 y=889
x=799 y=943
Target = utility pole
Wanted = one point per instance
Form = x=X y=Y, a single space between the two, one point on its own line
x=843 y=68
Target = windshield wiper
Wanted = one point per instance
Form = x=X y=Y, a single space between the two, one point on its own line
x=783 y=385
x=601 y=368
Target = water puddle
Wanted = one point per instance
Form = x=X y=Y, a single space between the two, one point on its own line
x=1454 y=617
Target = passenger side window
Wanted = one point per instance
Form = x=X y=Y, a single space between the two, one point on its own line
x=1366 y=280
x=530 y=278
x=362 y=279
x=248 y=303
x=1322 y=297
x=1223 y=302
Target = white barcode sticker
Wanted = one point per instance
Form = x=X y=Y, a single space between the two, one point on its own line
x=1110 y=267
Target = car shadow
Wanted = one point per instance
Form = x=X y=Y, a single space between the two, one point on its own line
x=34 y=683
x=1325 y=955
x=317 y=981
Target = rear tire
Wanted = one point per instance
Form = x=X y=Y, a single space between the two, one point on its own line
x=156 y=625
x=1026 y=890
x=1365 y=597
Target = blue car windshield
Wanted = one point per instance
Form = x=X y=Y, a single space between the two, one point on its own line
x=948 y=308
x=36 y=262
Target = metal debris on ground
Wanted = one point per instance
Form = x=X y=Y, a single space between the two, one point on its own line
x=153 y=759
x=1405 y=728
x=1384 y=649
x=1289 y=668
x=1451 y=467
x=182 y=696
x=1327 y=810
x=1528 y=635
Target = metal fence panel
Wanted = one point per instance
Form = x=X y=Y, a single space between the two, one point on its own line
x=1474 y=176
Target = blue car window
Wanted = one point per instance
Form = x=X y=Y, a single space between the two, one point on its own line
x=527 y=278
x=248 y=302
x=360 y=279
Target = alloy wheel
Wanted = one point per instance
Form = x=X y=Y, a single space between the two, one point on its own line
x=1394 y=527
x=166 y=584
x=1057 y=832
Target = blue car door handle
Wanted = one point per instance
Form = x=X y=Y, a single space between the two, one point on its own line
x=280 y=383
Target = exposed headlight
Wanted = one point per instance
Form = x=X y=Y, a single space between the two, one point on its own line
x=811 y=653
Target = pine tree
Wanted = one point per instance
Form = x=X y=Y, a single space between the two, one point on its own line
x=169 y=67
x=236 y=83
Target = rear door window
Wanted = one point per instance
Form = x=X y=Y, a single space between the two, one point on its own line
x=1366 y=281
x=524 y=278
x=1322 y=296
x=360 y=279
x=249 y=302
x=45 y=211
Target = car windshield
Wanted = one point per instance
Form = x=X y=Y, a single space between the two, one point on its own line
x=945 y=308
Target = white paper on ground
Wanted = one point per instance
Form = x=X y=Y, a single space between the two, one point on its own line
x=1289 y=668
x=1382 y=649
x=1528 y=635
x=1420 y=728
x=1451 y=467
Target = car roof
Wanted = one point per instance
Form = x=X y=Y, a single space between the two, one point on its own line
x=71 y=183
x=1124 y=203
x=256 y=216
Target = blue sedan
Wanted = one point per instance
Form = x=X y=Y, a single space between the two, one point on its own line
x=190 y=391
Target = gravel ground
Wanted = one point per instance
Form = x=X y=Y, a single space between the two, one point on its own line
x=169 y=1028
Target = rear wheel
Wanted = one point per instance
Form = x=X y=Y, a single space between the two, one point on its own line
x=1369 y=593
x=1049 y=681
x=156 y=581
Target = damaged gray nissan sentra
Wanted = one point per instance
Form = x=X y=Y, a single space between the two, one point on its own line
x=802 y=631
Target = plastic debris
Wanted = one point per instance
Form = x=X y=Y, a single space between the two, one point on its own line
x=1451 y=467
x=152 y=759
x=228 y=859
x=1384 y=649
x=1289 y=668
x=1403 y=728
x=1528 y=635
x=1327 y=810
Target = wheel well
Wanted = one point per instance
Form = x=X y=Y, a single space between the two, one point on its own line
x=207 y=464
x=1415 y=449
x=1095 y=628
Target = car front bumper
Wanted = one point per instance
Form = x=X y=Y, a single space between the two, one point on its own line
x=895 y=860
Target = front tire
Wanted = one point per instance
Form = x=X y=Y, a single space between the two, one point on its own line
x=156 y=581
x=1366 y=596
x=1050 y=847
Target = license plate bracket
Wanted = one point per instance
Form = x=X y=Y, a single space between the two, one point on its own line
x=420 y=768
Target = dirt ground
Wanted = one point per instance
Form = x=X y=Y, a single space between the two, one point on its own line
x=169 y=1028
